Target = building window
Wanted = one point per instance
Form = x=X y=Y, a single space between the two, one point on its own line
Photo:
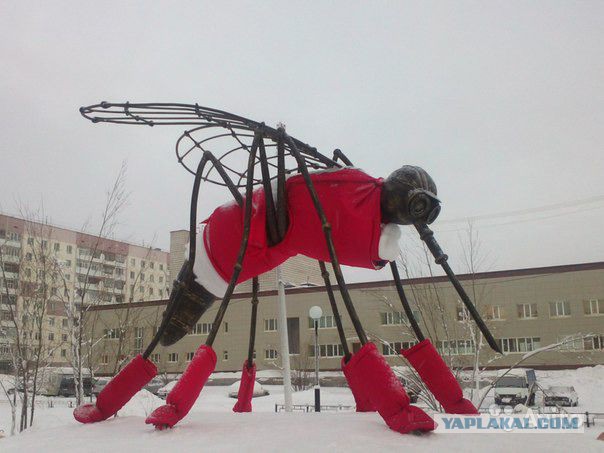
x=69 y=249
x=527 y=311
x=151 y=278
x=138 y=340
x=111 y=334
x=593 y=307
x=161 y=279
x=64 y=337
x=325 y=322
x=494 y=312
x=173 y=357
x=393 y=318
x=150 y=291
x=225 y=355
x=51 y=321
x=29 y=256
x=143 y=264
x=190 y=356
x=270 y=354
x=395 y=348
x=30 y=241
x=462 y=312
x=152 y=265
x=51 y=336
x=202 y=328
x=104 y=359
x=161 y=267
x=132 y=275
x=327 y=350
x=65 y=323
x=456 y=347
x=142 y=277
x=57 y=247
x=526 y=344
x=559 y=309
x=132 y=262
x=155 y=358
x=270 y=325
x=593 y=343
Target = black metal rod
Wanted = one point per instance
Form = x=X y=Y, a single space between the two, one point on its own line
x=330 y=247
x=334 y=310
x=218 y=166
x=250 y=351
x=427 y=235
x=406 y=306
x=282 y=220
x=271 y=215
x=244 y=240
x=338 y=154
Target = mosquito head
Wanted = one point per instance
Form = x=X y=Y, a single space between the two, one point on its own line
x=409 y=196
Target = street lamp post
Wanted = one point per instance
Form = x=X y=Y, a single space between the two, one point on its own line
x=315 y=313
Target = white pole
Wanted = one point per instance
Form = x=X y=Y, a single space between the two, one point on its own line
x=282 y=326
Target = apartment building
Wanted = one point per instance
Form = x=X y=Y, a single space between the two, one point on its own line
x=46 y=270
x=526 y=309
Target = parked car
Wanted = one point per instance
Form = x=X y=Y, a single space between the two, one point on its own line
x=60 y=382
x=154 y=385
x=258 y=390
x=512 y=390
x=560 y=396
x=99 y=385
x=163 y=392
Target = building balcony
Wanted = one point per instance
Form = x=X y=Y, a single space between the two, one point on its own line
x=93 y=273
x=10 y=258
x=12 y=243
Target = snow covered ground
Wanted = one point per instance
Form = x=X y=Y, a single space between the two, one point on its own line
x=212 y=426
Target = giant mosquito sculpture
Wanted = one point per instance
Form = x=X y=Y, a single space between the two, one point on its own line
x=334 y=213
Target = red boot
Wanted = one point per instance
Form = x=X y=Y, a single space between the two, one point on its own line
x=185 y=392
x=377 y=381
x=438 y=378
x=246 y=389
x=131 y=379
x=361 y=399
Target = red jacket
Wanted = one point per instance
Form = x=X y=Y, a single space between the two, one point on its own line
x=351 y=201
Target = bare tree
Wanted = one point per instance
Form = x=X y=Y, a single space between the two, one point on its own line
x=87 y=293
x=31 y=273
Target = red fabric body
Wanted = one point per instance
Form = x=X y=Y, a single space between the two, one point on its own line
x=246 y=389
x=350 y=200
x=376 y=380
x=361 y=399
x=438 y=378
x=184 y=394
x=130 y=380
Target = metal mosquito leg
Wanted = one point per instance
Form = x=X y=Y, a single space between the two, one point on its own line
x=250 y=352
x=327 y=231
x=334 y=309
x=244 y=240
x=427 y=235
x=401 y=294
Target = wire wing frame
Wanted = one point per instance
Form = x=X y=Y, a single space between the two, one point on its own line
x=227 y=136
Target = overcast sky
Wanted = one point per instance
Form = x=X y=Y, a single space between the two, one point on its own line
x=501 y=102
